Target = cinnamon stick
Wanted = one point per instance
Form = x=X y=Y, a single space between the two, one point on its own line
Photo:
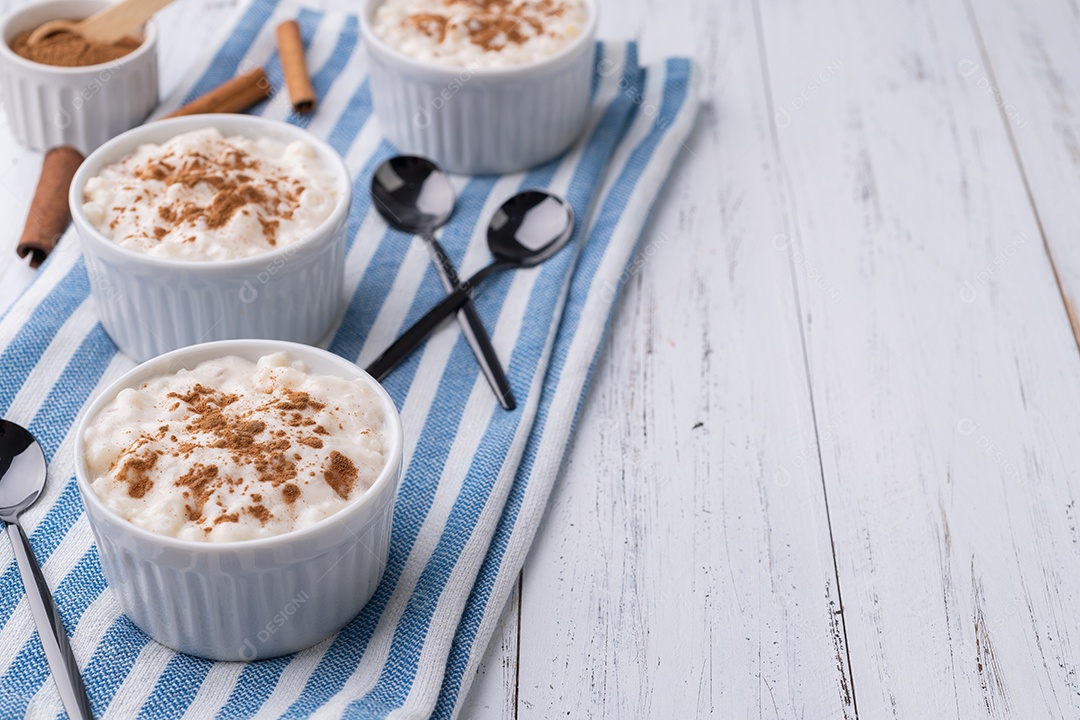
x=49 y=211
x=236 y=95
x=294 y=66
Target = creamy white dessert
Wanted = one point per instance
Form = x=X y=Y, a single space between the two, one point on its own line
x=203 y=196
x=480 y=33
x=236 y=450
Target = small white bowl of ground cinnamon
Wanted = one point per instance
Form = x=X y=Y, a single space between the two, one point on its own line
x=266 y=494
x=69 y=49
x=65 y=90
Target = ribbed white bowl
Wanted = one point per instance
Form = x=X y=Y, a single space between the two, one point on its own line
x=489 y=120
x=47 y=106
x=151 y=305
x=252 y=599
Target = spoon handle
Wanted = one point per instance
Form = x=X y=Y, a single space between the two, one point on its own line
x=423 y=327
x=54 y=639
x=472 y=328
x=116 y=21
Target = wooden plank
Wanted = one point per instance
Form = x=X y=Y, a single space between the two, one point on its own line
x=685 y=568
x=945 y=361
x=1027 y=66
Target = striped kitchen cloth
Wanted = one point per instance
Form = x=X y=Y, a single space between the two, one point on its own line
x=476 y=478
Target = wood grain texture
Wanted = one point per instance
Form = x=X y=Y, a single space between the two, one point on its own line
x=946 y=362
x=685 y=567
x=1027 y=66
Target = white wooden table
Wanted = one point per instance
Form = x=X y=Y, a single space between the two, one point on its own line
x=828 y=465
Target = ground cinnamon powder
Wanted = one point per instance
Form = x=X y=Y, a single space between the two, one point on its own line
x=491 y=24
x=235 y=191
x=211 y=420
x=136 y=473
x=431 y=24
x=340 y=474
x=198 y=479
x=67 y=49
x=290 y=492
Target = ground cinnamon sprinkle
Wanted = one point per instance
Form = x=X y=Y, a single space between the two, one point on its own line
x=270 y=228
x=234 y=191
x=244 y=438
x=135 y=471
x=275 y=469
x=199 y=480
x=242 y=458
x=431 y=24
x=67 y=49
x=202 y=399
x=290 y=492
x=260 y=512
x=340 y=474
x=296 y=400
x=225 y=204
x=490 y=24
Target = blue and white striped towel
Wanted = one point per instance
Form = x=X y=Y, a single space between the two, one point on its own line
x=476 y=478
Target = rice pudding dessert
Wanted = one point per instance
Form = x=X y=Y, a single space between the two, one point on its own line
x=203 y=196
x=480 y=33
x=236 y=450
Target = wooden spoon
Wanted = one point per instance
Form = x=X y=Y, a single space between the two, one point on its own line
x=107 y=26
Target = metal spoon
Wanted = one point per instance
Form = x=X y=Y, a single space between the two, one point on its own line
x=414 y=195
x=22 y=476
x=527 y=230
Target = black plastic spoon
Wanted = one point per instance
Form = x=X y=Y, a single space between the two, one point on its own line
x=528 y=229
x=414 y=195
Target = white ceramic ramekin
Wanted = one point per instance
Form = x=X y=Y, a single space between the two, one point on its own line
x=48 y=106
x=251 y=599
x=484 y=120
x=151 y=305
